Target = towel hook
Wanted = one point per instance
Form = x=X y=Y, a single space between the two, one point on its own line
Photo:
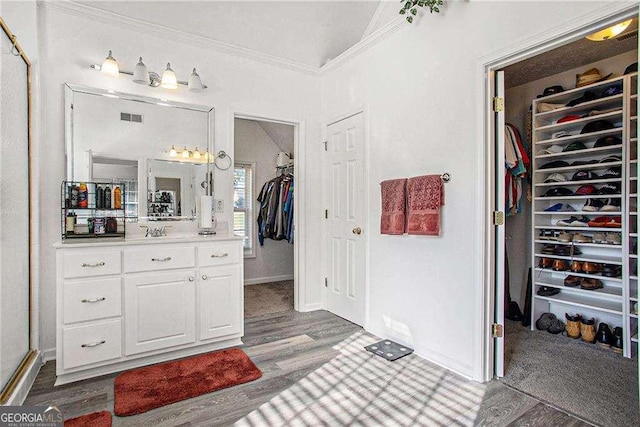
x=446 y=177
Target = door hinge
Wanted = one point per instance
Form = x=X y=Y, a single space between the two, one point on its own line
x=498 y=218
x=496 y=330
x=326 y=283
x=326 y=214
x=498 y=104
x=325 y=145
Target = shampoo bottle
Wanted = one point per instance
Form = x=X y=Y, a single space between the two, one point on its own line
x=107 y=198
x=100 y=198
x=117 y=198
x=83 y=199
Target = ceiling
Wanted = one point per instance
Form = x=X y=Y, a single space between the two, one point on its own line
x=282 y=135
x=570 y=56
x=307 y=32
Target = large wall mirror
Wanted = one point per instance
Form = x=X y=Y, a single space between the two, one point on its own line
x=160 y=150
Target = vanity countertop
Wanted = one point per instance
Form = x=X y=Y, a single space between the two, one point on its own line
x=130 y=241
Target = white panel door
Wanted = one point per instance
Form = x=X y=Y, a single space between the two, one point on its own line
x=346 y=218
x=220 y=300
x=159 y=311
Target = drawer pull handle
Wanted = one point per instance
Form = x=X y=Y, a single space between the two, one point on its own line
x=93 y=344
x=204 y=277
x=167 y=258
x=191 y=278
x=97 y=264
x=92 y=300
x=219 y=256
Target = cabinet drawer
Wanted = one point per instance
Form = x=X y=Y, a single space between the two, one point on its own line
x=218 y=254
x=85 y=345
x=159 y=257
x=92 y=300
x=89 y=264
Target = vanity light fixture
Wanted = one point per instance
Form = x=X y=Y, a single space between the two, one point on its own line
x=609 y=33
x=196 y=154
x=185 y=153
x=173 y=152
x=142 y=75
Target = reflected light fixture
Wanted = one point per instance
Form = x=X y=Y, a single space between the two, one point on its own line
x=169 y=79
x=196 y=154
x=173 y=152
x=185 y=153
x=110 y=66
x=610 y=32
x=142 y=75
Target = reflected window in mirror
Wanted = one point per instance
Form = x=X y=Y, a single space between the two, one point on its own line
x=243 y=212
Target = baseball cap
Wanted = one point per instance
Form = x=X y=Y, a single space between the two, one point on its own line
x=583 y=176
x=559 y=191
x=543 y=107
x=555 y=164
x=612 y=90
x=613 y=172
x=597 y=126
x=556 y=177
x=554 y=149
x=560 y=134
x=607 y=141
x=574 y=146
x=587 y=96
x=631 y=68
x=585 y=190
x=612 y=158
x=569 y=118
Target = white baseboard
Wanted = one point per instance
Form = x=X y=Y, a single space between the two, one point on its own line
x=311 y=307
x=21 y=391
x=259 y=280
x=49 y=355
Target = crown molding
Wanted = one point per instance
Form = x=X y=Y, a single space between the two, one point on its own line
x=364 y=45
x=110 y=18
x=382 y=7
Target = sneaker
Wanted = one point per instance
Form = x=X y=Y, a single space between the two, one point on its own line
x=611 y=205
x=611 y=270
x=548 y=235
x=599 y=221
x=580 y=222
x=616 y=340
x=560 y=207
x=613 y=222
x=548 y=249
x=581 y=238
x=600 y=238
x=564 y=237
x=613 y=239
x=592 y=205
x=566 y=250
x=610 y=188
x=567 y=222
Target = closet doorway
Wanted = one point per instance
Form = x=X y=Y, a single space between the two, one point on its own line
x=264 y=190
x=562 y=225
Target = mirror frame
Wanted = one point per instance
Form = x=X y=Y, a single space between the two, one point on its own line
x=71 y=89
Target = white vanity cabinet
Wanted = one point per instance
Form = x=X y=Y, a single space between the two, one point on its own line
x=132 y=303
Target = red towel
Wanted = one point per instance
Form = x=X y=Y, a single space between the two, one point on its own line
x=425 y=196
x=394 y=192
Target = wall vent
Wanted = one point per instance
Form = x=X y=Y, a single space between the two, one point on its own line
x=627 y=36
x=129 y=117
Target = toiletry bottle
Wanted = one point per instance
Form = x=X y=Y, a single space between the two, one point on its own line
x=83 y=200
x=107 y=198
x=74 y=196
x=70 y=223
x=117 y=198
x=100 y=198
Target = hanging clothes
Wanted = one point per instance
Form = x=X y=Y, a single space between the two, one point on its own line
x=517 y=165
x=275 y=216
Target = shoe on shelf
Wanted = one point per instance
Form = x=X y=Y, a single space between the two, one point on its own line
x=600 y=238
x=547 y=291
x=559 y=265
x=560 y=207
x=562 y=250
x=565 y=237
x=580 y=222
x=572 y=281
x=590 y=284
x=544 y=321
x=613 y=222
x=592 y=205
x=613 y=239
x=573 y=325
x=548 y=249
x=599 y=221
x=581 y=238
x=591 y=267
x=604 y=335
x=611 y=205
x=611 y=270
x=616 y=340
x=576 y=267
x=545 y=263
x=567 y=222
x=548 y=235
x=588 y=330
x=556 y=327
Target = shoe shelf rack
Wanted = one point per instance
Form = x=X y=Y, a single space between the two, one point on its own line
x=604 y=239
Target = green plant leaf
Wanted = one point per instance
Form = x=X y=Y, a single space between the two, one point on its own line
x=414 y=11
x=410 y=19
x=402 y=11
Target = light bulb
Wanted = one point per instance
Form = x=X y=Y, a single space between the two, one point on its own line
x=169 y=79
x=185 y=153
x=110 y=66
x=173 y=152
x=196 y=154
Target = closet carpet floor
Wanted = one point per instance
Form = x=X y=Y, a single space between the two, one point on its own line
x=583 y=379
x=268 y=298
x=317 y=372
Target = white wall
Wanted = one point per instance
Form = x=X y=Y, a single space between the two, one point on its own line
x=517 y=102
x=423 y=90
x=71 y=42
x=274 y=260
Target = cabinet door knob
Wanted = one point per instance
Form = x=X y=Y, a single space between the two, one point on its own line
x=204 y=277
x=219 y=256
x=92 y=300
x=93 y=344
x=191 y=278
x=97 y=264
x=357 y=230
x=167 y=258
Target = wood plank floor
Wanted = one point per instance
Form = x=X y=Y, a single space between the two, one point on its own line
x=316 y=372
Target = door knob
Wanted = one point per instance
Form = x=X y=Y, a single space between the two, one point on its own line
x=357 y=230
x=204 y=277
